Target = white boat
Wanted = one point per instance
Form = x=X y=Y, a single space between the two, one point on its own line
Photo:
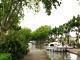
x=56 y=46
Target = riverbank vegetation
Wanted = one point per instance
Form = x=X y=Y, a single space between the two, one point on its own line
x=16 y=43
x=14 y=39
x=5 y=56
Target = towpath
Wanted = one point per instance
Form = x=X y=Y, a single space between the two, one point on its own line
x=36 y=55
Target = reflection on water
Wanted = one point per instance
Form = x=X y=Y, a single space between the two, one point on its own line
x=59 y=55
x=62 y=56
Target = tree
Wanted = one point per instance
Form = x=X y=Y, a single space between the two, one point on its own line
x=61 y=32
x=75 y=24
x=42 y=33
x=67 y=29
x=12 y=11
x=16 y=43
x=55 y=32
x=49 y=3
x=25 y=33
x=72 y=25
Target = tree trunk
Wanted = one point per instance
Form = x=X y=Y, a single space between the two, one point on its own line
x=78 y=37
x=68 y=38
x=2 y=34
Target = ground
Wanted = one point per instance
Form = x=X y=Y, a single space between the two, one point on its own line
x=75 y=51
x=36 y=55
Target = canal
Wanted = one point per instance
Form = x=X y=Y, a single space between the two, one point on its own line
x=62 y=56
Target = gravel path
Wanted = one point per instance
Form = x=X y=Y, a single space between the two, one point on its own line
x=36 y=55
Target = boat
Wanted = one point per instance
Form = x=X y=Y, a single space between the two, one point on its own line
x=57 y=46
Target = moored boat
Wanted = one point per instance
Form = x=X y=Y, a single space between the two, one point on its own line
x=56 y=46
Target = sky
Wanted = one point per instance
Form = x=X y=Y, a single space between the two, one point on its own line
x=59 y=16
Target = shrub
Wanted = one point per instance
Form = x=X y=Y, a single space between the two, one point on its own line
x=5 y=56
x=78 y=45
x=15 y=48
x=72 y=41
x=15 y=43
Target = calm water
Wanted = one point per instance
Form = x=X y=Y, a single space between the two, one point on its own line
x=62 y=56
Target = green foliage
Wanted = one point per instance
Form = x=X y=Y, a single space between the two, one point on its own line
x=78 y=45
x=49 y=3
x=22 y=35
x=16 y=42
x=55 y=31
x=5 y=56
x=75 y=21
x=61 y=30
x=42 y=33
x=12 y=10
x=15 y=48
x=26 y=32
x=72 y=41
x=66 y=28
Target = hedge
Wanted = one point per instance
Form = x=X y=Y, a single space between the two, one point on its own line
x=5 y=56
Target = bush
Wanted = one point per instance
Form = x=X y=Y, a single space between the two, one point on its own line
x=72 y=41
x=15 y=48
x=5 y=56
x=15 y=43
x=78 y=45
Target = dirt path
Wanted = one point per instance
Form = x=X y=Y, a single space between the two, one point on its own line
x=75 y=51
x=36 y=55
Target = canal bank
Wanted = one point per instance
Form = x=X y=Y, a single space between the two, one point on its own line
x=36 y=54
x=75 y=51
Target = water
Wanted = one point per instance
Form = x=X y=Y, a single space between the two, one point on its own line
x=59 y=55
x=62 y=56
